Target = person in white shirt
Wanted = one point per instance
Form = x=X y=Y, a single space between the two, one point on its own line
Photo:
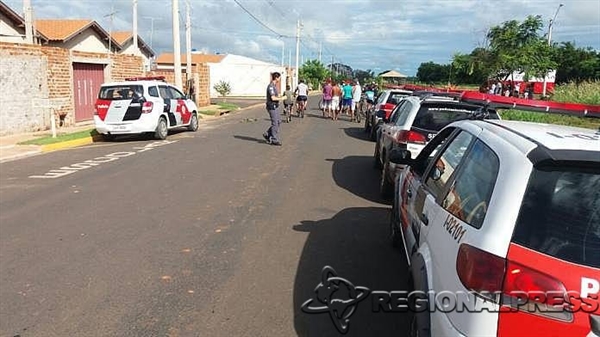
x=356 y=93
x=302 y=99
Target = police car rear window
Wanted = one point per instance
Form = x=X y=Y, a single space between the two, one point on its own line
x=560 y=215
x=120 y=92
x=434 y=117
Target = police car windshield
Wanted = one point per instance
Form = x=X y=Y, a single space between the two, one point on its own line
x=560 y=215
x=120 y=92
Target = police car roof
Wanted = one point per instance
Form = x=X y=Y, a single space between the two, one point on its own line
x=543 y=142
x=124 y=83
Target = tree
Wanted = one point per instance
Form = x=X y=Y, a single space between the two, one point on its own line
x=518 y=47
x=576 y=64
x=313 y=72
x=223 y=88
x=364 y=76
x=431 y=72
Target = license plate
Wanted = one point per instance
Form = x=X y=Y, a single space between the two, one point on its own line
x=120 y=127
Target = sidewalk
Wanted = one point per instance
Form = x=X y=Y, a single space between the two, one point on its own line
x=11 y=150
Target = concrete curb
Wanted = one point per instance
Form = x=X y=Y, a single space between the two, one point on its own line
x=67 y=144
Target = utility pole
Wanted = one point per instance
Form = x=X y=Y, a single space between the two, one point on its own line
x=320 y=50
x=176 y=45
x=28 y=16
x=135 y=28
x=297 y=53
x=111 y=15
x=188 y=42
x=151 y=28
x=550 y=44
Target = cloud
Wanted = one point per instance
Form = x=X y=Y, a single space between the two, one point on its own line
x=363 y=34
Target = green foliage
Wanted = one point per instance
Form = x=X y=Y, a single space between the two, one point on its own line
x=576 y=64
x=223 y=88
x=313 y=72
x=541 y=117
x=517 y=46
x=364 y=76
x=584 y=92
x=431 y=72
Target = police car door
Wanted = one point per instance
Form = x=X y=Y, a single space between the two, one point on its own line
x=170 y=104
x=418 y=204
x=460 y=220
x=182 y=113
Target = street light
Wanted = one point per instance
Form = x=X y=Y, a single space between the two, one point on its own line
x=550 y=43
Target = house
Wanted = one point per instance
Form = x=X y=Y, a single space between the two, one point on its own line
x=247 y=77
x=12 y=27
x=59 y=74
x=125 y=40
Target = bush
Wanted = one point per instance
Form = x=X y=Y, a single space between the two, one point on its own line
x=223 y=88
x=586 y=93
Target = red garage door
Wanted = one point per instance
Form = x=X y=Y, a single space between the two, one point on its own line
x=87 y=79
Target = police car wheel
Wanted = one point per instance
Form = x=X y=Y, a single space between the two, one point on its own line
x=161 y=129
x=395 y=236
x=193 y=123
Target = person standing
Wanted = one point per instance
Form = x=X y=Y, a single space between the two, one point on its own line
x=327 y=97
x=272 y=103
x=347 y=97
x=336 y=98
x=356 y=96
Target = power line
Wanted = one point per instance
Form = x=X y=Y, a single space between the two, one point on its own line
x=257 y=20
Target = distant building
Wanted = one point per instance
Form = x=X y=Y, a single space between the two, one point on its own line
x=125 y=40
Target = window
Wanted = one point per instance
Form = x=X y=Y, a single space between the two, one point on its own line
x=560 y=214
x=121 y=92
x=434 y=117
x=164 y=91
x=398 y=111
x=442 y=169
x=471 y=192
x=403 y=113
x=153 y=91
x=176 y=94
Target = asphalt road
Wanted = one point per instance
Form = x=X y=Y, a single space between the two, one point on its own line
x=213 y=233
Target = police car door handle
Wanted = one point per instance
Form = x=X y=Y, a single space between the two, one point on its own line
x=425 y=219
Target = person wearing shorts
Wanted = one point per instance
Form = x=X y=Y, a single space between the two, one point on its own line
x=335 y=100
x=346 y=97
x=302 y=92
x=327 y=97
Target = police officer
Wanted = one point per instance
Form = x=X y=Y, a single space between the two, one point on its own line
x=273 y=98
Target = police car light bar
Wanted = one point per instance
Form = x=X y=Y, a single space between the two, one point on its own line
x=148 y=78
x=502 y=102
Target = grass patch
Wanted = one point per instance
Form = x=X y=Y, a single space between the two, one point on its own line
x=540 y=117
x=61 y=138
x=209 y=112
x=227 y=106
x=585 y=93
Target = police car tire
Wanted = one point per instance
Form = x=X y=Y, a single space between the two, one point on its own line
x=193 y=127
x=395 y=236
x=385 y=187
x=161 y=129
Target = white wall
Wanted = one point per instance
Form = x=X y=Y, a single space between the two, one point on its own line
x=246 y=76
x=86 y=41
x=7 y=29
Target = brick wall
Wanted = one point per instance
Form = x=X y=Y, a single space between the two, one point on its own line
x=201 y=77
x=41 y=79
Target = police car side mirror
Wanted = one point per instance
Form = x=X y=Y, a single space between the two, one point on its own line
x=401 y=157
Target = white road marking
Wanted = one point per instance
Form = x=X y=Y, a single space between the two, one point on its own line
x=66 y=170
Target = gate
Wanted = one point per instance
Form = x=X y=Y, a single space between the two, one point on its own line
x=87 y=79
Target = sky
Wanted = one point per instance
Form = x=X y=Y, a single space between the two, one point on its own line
x=375 y=35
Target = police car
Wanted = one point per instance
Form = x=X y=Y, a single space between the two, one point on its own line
x=413 y=123
x=143 y=105
x=508 y=214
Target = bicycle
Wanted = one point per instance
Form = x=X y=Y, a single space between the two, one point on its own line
x=287 y=112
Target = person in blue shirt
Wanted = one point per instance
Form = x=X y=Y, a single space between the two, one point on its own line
x=346 y=97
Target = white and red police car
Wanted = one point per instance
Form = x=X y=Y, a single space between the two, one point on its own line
x=507 y=214
x=143 y=105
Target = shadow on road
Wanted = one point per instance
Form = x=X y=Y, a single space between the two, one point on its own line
x=357 y=175
x=358 y=133
x=250 y=139
x=355 y=244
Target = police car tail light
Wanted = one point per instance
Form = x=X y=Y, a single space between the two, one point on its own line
x=526 y=289
x=147 y=107
x=405 y=136
x=480 y=271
